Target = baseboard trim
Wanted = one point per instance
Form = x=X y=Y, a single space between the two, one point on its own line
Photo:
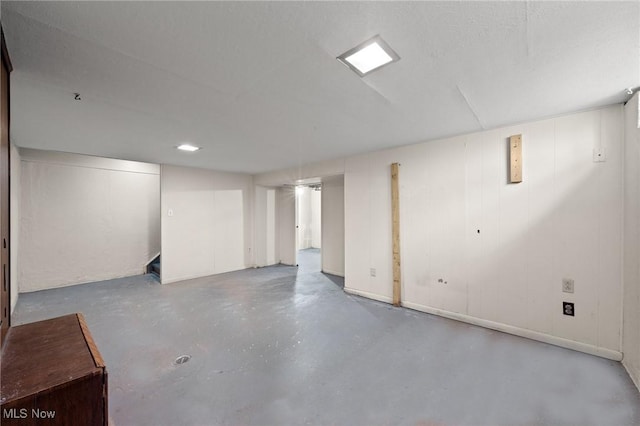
x=509 y=329
x=634 y=379
x=522 y=332
x=386 y=299
x=337 y=274
x=194 y=277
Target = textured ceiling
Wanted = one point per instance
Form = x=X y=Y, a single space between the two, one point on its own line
x=257 y=85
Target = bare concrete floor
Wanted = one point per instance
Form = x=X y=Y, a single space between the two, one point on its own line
x=286 y=346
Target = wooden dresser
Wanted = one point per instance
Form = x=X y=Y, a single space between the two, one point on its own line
x=52 y=373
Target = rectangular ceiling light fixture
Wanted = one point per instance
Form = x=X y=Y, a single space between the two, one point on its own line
x=369 y=56
x=187 y=147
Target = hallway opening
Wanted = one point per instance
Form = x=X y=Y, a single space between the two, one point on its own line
x=309 y=227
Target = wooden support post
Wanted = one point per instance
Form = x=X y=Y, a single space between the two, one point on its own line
x=395 y=232
x=515 y=158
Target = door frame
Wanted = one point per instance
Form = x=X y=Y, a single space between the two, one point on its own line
x=5 y=199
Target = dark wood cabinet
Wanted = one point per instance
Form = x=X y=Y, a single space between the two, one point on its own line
x=52 y=373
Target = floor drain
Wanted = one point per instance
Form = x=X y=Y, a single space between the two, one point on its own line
x=183 y=359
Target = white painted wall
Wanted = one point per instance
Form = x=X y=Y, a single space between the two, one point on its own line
x=316 y=218
x=265 y=226
x=207 y=222
x=308 y=218
x=260 y=225
x=286 y=225
x=14 y=226
x=84 y=219
x=303 y=218
x=631 y=264
x=270 y=238
x=285 y=200
x=305 y=171
x=333 y=225
x=563 y=220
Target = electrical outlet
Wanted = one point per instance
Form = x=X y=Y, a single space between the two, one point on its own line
x=567 y=285
x=372 y=272
x=568 y=309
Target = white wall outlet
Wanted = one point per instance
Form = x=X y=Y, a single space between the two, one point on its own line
x=567 y=285
x=372 y=272
x=599 y=155
x=170 y=212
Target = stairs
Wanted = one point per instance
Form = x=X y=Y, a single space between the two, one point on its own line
x=154 y=267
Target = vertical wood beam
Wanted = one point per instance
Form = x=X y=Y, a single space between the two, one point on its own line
x=395 y=232
x=515 y=158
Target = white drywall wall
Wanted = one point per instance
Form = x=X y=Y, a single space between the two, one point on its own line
x=286 y=224
x=260 y=225
x=303 y=218
x=207 y=222
x=14 y=226
x=85 y=218
x=305 y=171
x=479 y=249
x=308 y=220
x=265 y=226
x=315 y=205
x=631 y=264
x=270 y=237
x=333 y=225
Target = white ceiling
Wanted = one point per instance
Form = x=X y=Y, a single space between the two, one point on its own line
x=257 y=85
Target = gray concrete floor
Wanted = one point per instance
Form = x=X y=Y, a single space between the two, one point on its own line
x=284 y=345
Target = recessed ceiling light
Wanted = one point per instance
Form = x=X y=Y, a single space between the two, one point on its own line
x=369 y=56
x=187 y=147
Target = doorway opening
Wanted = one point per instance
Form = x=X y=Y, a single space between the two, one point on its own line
x=309 y=227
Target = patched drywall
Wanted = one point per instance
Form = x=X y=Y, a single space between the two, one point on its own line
x=477 y=248
x=207 y=222
x=631 y=264
x=85 y=219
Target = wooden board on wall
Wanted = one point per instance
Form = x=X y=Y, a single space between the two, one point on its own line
x=515 y=159
x=395 y=231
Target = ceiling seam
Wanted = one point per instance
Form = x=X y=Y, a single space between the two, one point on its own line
x=482 y=126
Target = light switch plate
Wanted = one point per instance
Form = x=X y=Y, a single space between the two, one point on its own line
x=567 y=285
